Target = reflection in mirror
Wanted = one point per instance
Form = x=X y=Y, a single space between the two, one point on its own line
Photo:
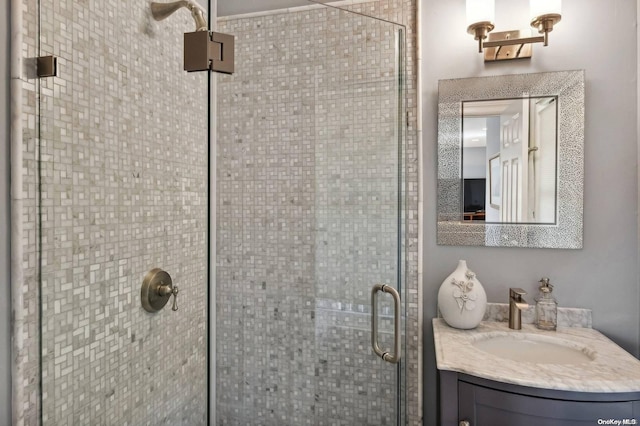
x=509 y=160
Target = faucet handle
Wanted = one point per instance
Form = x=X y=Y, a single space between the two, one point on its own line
x=517 y=293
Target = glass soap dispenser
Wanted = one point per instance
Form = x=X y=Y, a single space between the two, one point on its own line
x=546 y=307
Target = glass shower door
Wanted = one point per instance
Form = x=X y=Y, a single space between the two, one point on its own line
x=309 y=219
x=122 y=188
x=358 y=213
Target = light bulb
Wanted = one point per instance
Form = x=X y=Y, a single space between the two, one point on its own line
x=480 y=11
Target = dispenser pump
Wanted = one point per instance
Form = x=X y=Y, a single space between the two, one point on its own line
x=545 y=285
x=546 y=307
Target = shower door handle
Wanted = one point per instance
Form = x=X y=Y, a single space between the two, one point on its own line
x=394 y=357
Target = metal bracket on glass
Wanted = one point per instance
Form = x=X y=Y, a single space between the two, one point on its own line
x=47 y=66
x=204 y=51
x=394 y=357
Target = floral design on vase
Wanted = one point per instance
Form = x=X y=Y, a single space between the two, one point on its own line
x=463 y=295
x=462 y=300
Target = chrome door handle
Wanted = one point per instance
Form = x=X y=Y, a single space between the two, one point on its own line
x=394 y=357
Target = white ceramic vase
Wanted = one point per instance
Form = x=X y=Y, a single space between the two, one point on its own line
x=461 y=299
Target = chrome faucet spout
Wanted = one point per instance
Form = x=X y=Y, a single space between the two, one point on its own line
x=516 y=305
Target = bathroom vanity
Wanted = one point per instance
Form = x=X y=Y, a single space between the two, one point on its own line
x=492 y=375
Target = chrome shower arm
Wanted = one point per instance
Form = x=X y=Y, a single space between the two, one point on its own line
x=199 y=16
x=160 y=11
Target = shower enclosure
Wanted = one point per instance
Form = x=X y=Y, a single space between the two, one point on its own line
x=275 y=259
x=309 y=217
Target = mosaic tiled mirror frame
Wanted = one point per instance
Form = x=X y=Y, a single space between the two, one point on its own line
x=566 y=233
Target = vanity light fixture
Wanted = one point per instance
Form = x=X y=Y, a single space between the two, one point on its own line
x=510 y=44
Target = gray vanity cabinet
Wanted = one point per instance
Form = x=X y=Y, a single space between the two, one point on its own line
x=485 y=406
x=487 y=403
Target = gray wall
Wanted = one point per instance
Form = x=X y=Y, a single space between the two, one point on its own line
x=5 y=294
x=474 y=160
x=603 y=275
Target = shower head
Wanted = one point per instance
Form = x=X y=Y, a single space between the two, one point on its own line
x=160 y=11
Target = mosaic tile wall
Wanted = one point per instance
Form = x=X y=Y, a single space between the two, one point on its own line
x=123 y=174
x=307 y=219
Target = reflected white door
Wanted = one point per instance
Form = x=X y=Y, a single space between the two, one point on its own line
x=514 y=126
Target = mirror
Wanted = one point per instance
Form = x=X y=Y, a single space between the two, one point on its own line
x=511 y=160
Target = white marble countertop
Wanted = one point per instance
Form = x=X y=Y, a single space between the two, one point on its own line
x=611 y=370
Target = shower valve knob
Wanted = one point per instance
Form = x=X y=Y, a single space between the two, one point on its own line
x=157 y=289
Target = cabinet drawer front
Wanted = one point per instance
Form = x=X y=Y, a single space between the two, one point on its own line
x=487 y=407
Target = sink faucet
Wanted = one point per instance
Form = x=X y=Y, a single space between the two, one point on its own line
x=516 y=305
